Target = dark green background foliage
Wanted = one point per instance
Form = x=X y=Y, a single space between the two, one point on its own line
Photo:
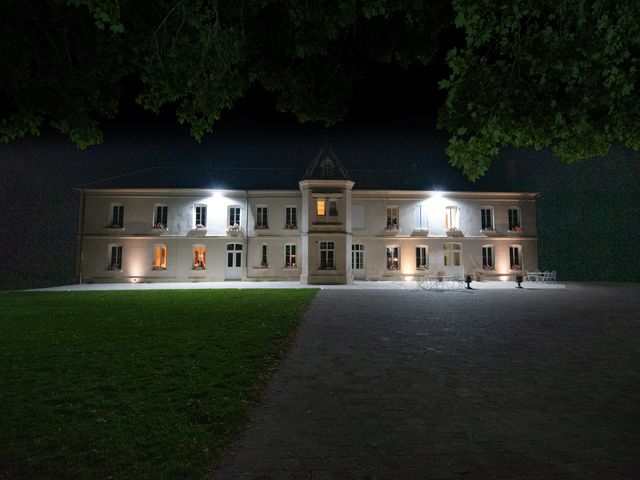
x=559 y=74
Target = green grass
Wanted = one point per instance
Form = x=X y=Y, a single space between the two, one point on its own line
x=134 y=385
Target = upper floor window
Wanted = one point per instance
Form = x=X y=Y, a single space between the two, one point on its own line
x=327 y=254
x=393 y=257
x=262 y=220
x=515 y=257
x=159 y=257
x=115 y=257
x=290 y=218
x=321 y=207
x=290 y=255
x=333 y=208
x=199 y=257
x=486 y=218
x=487 y=257
x=160 y=216
x=200 y=218
x=234 y=217
x=451 y=220
x=117 y=216
x=422 y=259
x=515 y=221
x=393 y=215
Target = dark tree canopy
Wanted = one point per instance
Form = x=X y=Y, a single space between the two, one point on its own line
x=534 y=74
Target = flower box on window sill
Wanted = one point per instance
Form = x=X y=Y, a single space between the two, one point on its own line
x=198 y=267
x=517 y=230
x=422 y=269
x=488 y=268
x=159 y=226
x=114 y=268
x=291 y=226
x=156 y=268
x=234 y=230
x=294 y=266
x=391 y=230
x=516 y=267
x=454 y=232
x=488 y=231
x=262 y=229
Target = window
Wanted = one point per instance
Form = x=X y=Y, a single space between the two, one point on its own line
x=392 y=217
x=487 y=257
x=263 y=259
x=393 y=258
x=115 y=257
x=234 y=218
x=422 y=259
x=160 y=216
x=200 y=216
x=333 y=208
x=117 y=216
x=451 y=218
x=327 y=253
x=515 y=223
x=290 y=218
x=515 y=257
x=290 y=255
x=159 y=257
x=323 y=203
x=486 y=218
x=262 y=221
x=357 y=256
x=199 y=257
x=452 y=254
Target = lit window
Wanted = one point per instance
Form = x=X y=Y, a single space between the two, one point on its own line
x=200 y=218
x=487 y=257
x=117 y=216
x=264 y=262
x=393 y=258
x=160 y=216
x=199 y=257
x=451 y=218
x=327 y=253
x=234 y=218
x=291 y=221
x=262 y=220
x=515 y=257
x=357 y=256
x=115 y=257
x=160 y=257
x=452 y=254
x=515 y=223
x=486 y=218
x=422 y=259
x=393 y=214
x=290 y=255
x=320 y=207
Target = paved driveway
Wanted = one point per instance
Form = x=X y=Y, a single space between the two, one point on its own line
x=384 y=384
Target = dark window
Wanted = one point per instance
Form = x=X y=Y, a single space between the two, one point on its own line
x=201 y=216
x=514 y=218
x=161 y=216
x=117 y=216
x=116 y=258
x=487 y=218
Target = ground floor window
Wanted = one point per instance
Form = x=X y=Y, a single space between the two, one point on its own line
x=199 y=257
x=115 y=257
x=393 y=257
x=422 y=259
x=452 y=254
x=487 y=257
x=160 y=257
x=263 y=261
x=327 y=254
x=515 y=257
x=357 y=256
x=290 y=255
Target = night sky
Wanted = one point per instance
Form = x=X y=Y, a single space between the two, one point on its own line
x=390 y=128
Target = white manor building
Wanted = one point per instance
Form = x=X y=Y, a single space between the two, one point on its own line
x=326 y=232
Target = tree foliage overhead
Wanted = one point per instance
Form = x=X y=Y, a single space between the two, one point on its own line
x=63 y=62
x=560 y=74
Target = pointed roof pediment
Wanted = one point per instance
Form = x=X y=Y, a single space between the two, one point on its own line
x=326 y=166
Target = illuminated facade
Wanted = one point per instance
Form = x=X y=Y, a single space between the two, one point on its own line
x=326 y=232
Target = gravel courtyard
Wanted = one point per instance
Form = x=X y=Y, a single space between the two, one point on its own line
x=516 y=384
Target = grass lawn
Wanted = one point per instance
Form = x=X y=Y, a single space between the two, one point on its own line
x=135 y=385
